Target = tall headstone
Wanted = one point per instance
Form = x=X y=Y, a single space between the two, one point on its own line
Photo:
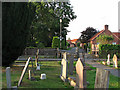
x=64 y=66
x=102 y=78
x=80 y=74
x=71 y=67
x=8 y=77
x=115 y=61
x=108 y=60
x=36 y=58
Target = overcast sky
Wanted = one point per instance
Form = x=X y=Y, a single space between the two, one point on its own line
x=93 y=13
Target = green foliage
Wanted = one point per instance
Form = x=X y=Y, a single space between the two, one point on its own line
x=78 y=44
x=87 y=34
x=105 y=39
x=111 y=49
x=40 y=45
x=55 y=42
x=16 y=22
x=47 y=21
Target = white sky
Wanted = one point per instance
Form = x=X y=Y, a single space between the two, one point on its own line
x=93 y=13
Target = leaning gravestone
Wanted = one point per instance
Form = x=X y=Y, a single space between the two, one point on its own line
x=102 y=78
x=80 y=74
x=23 y=72
x=115 y=61
x=108 y=60
x=64 y=65
x=71 y=67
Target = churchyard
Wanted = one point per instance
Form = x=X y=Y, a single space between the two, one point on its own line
x=66 y=73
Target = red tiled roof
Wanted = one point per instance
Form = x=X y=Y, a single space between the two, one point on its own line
x=96 y=35
x=117 y=34
x=74 y=40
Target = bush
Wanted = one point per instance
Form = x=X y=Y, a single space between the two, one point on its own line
x=78 y=44
x=56 y=43
x=111 y=49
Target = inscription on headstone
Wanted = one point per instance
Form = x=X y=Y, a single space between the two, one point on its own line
x=108 y=60
x=115 y=61
x=8 y=77
x=102 y=78
x=80 y=74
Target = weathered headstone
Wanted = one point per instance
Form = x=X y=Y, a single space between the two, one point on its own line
x=8 y=77
x=64 y=55
x=71 y=67
x=43 y=76
x=29 y=75
x=108 y=60
x=83 y=56
x=23 y=72
x=102 y=78
x=38 y=67
x=115 y=61
x=36 y=58
x=80 y=74
x=64 y=66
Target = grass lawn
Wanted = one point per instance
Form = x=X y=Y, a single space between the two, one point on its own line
x=52 y=69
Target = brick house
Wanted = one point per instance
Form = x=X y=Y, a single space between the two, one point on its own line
x=95 y=45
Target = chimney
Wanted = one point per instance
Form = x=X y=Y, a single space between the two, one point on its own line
x=106 y=27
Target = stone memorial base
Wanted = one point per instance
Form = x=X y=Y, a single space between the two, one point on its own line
x=65 y=80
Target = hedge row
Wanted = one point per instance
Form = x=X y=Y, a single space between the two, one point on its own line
x=111 y=49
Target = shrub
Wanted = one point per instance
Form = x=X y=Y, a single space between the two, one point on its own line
x=111 y=49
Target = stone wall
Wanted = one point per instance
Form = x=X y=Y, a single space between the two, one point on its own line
x=42 y=51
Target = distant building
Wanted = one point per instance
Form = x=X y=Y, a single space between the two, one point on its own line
x=73 y=43
x=95 y=45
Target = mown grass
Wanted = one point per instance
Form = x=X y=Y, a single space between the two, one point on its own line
x=52 y=69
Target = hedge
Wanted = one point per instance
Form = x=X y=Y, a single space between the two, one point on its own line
x=111 y=49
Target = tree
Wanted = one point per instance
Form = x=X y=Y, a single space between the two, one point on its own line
x=87 y=34
x=47 y=21
x=16 y=21
x=105 y=39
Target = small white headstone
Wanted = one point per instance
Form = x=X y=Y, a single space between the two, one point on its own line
x=38 y=67
x=29 y=75
x=43 y=76
x=108 y=61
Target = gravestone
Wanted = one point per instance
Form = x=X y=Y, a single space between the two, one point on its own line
x=36 y=58
x=83 y=56
x=71 y=67
x=115 y=61
x=38 y=67
x=64 y=55
x=102 y=78
x=8 y=77
x=23 y=72
x=29 y=75
x=64 y=66
x=80 y=74
x=108 y=60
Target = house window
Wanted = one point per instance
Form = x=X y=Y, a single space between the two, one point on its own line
x=114 y=43
x=97 y=43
